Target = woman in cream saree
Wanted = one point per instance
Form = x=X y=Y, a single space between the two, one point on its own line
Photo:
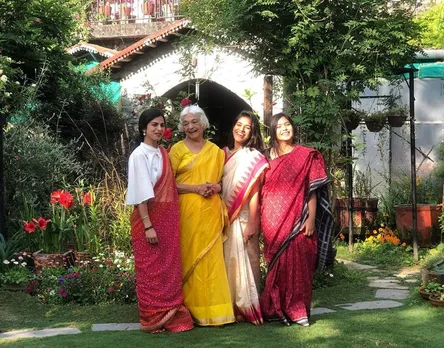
x=198 y=166
x=243 y=169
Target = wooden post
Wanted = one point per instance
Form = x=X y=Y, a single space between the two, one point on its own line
x=268 y=99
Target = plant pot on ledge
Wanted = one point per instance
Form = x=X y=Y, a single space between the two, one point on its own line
x=375 y=122
x=427 y=221
x=364 y=212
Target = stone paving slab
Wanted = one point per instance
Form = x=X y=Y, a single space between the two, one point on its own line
x=408 y=272
x=321 y=310
x=39 y=333
x=381 y=304
x=392 y=294
x=387 y=284
x=356 y=265
x=116 y=327
x=412 y=281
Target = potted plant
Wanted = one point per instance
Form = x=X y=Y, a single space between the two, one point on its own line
x=148 y=7
x=375 y=121
x=396 y=116
x=365 y=204
x=430 y=288
x=437 y=299
x=352 y=118
x=433 y=266
x=428 y=194
x=16 y=275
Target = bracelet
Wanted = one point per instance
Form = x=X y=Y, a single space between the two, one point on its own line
x=144 y=217
x=148 y=228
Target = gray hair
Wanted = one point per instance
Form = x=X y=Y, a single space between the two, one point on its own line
x=196 y=111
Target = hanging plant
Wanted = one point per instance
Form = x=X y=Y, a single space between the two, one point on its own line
x=376 y=121
x=352 y=118
x=396 y=116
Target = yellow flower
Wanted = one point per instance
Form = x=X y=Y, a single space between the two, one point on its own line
x=403 y=244
x=375 y=232
x=418 y=180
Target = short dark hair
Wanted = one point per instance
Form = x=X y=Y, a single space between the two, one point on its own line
x=146 y=117
x=273 y=128
x=255 y=140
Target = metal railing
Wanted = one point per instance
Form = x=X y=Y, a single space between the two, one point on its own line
x=134 y=11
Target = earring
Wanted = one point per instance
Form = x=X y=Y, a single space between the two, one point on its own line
x=143 y=133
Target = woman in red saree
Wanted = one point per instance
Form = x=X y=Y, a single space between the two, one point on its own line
x=296 y=224
x=155 y=231
x=243 y=169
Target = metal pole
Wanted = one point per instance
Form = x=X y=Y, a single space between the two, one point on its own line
x=413 y=163
x=2 y=184
x=350 y=190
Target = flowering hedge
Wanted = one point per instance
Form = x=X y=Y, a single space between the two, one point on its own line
x=99 y=280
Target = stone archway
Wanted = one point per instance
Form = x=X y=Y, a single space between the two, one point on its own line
x=219 y=103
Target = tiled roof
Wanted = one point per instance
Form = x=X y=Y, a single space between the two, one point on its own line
x=141 y=44
x=84 y=46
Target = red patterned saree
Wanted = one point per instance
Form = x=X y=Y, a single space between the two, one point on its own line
x=291 y=256
x=158 y=267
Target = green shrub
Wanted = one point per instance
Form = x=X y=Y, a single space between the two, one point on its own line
x=35 y=163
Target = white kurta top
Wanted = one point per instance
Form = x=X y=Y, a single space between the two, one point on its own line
x=144 y=169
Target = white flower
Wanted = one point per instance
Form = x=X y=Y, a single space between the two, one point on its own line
x=118 y=266
x=16 y=263
x=20 y=258
x=33 y=85
x=6 y=262
x=7 y=94
x=23 y=264
x=331 y=275
x=4 y=78
x=17 y=83
x=101 y=266
x=12 y=260
x=52 y=292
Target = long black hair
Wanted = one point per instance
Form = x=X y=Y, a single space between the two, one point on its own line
x=255 y=140
x=146 y=117
x=274 y=144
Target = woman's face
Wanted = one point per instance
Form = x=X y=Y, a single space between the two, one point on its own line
x=242 y=131
x=284 y=130
x=155 y=130
x=192 y=127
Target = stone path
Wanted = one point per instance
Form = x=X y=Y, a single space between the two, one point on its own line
x=389 y=290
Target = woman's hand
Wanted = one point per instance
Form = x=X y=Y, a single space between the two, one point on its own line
x=205 y=190
x=310 y=227
x=215 y=188
x=151 y=236
x=249 y=231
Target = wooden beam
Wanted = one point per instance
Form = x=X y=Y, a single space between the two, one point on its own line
x=116 y=66
x=177 y=34
x=139 y=52
x=129 y=59
x=152 y=45
x=163 y=39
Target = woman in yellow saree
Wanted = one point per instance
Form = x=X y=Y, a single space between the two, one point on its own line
x=198 y=167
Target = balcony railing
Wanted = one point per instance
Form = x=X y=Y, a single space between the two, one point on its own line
x=134 y=11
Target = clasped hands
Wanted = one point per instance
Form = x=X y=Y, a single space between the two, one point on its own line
x=208 y=189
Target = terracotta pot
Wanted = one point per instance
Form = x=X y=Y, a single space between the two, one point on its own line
x=148 y=8
x=396 y=121
x=423 y=294
x=42 y=261
x=365 y=211
x=427 y=219
x=434 y=299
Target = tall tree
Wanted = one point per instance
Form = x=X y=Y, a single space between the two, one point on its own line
x=327 y=51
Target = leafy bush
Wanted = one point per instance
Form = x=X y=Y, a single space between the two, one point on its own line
x=34 y=163
x=434 y=258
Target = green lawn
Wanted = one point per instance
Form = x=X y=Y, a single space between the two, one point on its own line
x=416 y=324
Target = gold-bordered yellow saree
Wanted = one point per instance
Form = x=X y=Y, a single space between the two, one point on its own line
x=202 y=220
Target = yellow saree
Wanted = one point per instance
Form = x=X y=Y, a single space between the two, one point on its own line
x=202 y=220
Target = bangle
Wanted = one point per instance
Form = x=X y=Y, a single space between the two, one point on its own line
x=148 y=228
x=144 y=217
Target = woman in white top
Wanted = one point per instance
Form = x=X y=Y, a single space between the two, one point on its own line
x=155 y=231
